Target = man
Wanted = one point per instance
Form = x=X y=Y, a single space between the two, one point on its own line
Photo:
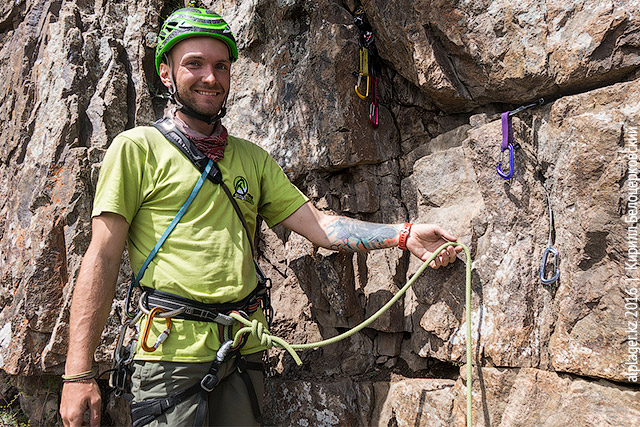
x=207 y=258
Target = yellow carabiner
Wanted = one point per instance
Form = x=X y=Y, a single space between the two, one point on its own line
x=358 y=85
x=147 y=327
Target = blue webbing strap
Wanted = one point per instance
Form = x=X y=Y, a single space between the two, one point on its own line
x=175 y=222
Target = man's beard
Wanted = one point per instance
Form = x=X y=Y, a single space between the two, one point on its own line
x=188 y=101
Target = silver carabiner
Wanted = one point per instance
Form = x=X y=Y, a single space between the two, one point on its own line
x=125 y=354
x=550 y=250
x=543 y=266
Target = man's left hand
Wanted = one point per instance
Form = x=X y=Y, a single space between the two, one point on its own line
x=424 y=239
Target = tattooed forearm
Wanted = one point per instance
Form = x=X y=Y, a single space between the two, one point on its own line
x=347 y=234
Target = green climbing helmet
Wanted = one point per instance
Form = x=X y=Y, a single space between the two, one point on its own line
x=193 y=22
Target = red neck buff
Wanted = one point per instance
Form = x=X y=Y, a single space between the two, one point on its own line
x=211 y=145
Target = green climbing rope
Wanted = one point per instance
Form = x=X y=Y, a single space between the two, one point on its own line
x=257 y=329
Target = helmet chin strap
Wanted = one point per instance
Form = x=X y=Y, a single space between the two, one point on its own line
x=203 y=118
x=185 y=109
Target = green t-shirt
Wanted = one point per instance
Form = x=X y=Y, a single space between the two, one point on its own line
x=207 y=257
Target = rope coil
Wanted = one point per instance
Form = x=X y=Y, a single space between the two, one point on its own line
x=256 y=329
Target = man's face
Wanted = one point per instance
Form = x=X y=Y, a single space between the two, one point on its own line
x=201 y=68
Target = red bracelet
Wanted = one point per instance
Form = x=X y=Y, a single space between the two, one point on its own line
x=403 y=234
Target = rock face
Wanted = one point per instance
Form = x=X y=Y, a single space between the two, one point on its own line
x=472 y=54
x=77 y=73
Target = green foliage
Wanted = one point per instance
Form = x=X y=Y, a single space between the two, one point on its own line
x=373 y=373
x=12 y=417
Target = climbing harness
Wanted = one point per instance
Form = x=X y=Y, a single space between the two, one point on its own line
x=550 y=250
x=507 y=138
x=174 y=306
x=368 y=65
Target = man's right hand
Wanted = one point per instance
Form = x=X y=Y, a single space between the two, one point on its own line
x=94 y=291
x=77 y=399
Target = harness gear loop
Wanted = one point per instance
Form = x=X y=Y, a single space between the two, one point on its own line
x=162 y=314
x=123 y=355
x=128 y=302
x=147 y=328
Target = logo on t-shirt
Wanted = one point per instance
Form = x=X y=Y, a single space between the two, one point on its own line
x=241 y=188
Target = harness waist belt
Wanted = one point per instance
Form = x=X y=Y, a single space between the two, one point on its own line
x=199 y=311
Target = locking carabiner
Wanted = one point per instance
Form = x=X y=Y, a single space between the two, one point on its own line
x=147 y=328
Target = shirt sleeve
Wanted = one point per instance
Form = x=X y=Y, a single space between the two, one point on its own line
x=120 y=182
x=279 y=198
